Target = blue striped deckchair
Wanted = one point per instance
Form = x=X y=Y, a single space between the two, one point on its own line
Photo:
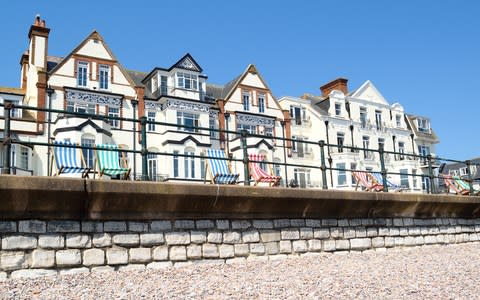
x=66 y=159
x=219 y=168
x=378 y=177
x=108 y=161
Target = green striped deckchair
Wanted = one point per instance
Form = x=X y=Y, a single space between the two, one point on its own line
x=108 y=160
x=464 y=185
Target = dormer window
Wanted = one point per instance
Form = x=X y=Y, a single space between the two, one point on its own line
x=338 y=109
x=187 y=81
x=423 y=125
x=398 y=119
x=82 y=71
x=103 y=75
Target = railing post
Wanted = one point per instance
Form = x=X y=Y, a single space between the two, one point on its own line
x=469 y=174
x=243 y=137
x=323 y=167
x=7 y=139
x=430 y=173
x=143 y=122
x=383 y=170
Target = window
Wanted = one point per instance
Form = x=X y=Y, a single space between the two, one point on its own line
x=299 y=146
x=381 y=143
x=152 y=166
x=23 y=158
x=15 y=112
x=154 y=83
x=414 y=178
x=302 y=177
x=103 y=71
x=189 y=120
x=363 y=117
x=338 y=109
x=398 y=119
x=401 y=149
x=463 y=171
x=340 y=141
x=163 y=85
x=404 y=178
x=151 y=118
x=261 y=103
x=212 y=124
x=426 y=183
x=268 y=131
x=366 y=144
x=341 y=174
x=202 y=165
x=297 y=114
x=88 y=153
x=252 y=129
x=423 y=125
x=114 y=112
x=378 y=119
x=353 y=166
x=189 y=164
x=175 y=163
x=87 y=108
x=246 y=101
x=423 y=151
x=187 y=81
x=82 y=70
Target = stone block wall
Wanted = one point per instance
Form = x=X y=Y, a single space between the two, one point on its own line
x=31 y=248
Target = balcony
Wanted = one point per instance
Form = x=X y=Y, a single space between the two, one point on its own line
x=302 y=122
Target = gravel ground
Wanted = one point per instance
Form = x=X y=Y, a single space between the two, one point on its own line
x=451 y=271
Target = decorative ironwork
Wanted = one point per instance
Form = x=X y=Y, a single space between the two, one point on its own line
x=255 y=120
x=93 y=98
x=186 y=106
x=213 y=114
x=153 y=106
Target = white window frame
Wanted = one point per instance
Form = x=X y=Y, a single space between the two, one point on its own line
x=103 y=77
x=187 y=81
x=88 y=108
x=246 y=100
x=154 y=83
x=152 y=160
x=341 y=174
x=423 y=125
x=363 y=117
x=114 y=112
x=398 y=120
x=338 y=109
x=189 y=164
x=378 y=119
x=183 y=118
x=261 y=102
x=82 y=73
x=151 y=115
x=88 y=141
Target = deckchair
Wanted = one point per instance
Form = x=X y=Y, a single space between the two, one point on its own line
x=464 y=185
x=365 y=179
x=67 y=161
x=258 y=174
x=452 y=185
x=219 y=168
x=379 y=179
x=108 y=160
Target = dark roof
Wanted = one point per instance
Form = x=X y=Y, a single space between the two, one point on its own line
x=457 y=166
x=221 y=91
x=52 y=62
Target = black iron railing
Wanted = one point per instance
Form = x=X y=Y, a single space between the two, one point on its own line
x=432 y=181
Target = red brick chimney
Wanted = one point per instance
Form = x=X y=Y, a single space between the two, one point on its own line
x=336 y=84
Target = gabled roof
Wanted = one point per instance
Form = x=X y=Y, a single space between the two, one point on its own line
x=187 y=62
x=365 y=86
x=93 y=35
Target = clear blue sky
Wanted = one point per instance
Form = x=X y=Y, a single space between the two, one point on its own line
x=423 y=54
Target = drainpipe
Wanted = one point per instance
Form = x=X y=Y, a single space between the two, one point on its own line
x=134 y=106
x=50 y=92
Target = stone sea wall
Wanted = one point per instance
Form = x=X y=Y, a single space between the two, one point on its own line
x=31 y=248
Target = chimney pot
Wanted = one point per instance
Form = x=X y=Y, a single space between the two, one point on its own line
x=37 y=20
x=42 y=24
x=337 y=84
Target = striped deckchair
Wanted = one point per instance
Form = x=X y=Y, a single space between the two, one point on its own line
x=258 y=174
x=108 y=160
x=453 y=186
x=379 y=179
x=464 y=185
x=219 y=168
x=66 y=159
x=367 y=181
